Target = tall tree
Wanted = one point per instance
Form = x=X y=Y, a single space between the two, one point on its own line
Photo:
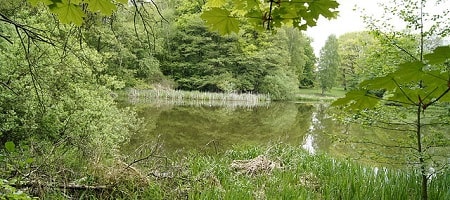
x=301 y=55
x=308 y=77
x=352 y=49
x=328 y=64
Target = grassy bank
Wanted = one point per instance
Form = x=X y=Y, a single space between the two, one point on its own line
x=275 y=172
x=315 y=94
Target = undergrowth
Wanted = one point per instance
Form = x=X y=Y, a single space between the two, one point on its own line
x=255 y=172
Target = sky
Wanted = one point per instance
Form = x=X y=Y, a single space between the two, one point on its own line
x=349 y=20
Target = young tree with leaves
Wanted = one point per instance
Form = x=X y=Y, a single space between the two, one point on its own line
x=417 y=89
x=329 y=62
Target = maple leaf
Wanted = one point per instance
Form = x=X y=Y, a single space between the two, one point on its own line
x=357 y=100
x=440 y=55
x=324 y=8
x=105 y=7
x=68 y=12
x=408 y=71
x=385 y=82
x=219 y=19
x=36 y=2
x=215 y=3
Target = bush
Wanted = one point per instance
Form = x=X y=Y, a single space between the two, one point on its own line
x=280 y=86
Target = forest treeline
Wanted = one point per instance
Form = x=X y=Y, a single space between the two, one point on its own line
x=175 y=49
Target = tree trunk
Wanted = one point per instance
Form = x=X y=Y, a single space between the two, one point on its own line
x=420 y=151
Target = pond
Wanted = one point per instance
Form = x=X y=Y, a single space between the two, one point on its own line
x=213 y=128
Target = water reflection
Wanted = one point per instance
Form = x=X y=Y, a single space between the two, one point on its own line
x=308 y=144
x=180 y=128
x=183 y=127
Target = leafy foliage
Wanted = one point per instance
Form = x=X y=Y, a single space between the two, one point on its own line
x=415 y=85
x=328 y=63
x=224 y=15
x=412 y=83
x=56 y=110
x=70 y=11
x=198 y=59
x=219 y=18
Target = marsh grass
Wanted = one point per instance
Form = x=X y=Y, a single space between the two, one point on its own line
x=314 y=94
x=299 y=176
x=197 y=98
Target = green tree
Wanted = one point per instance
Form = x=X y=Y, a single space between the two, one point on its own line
x=198 y=59
x=301 y=55
x=364 y=55
x=129 y=55
x=352 y=50
x=417 y=89
x=55 y=103
x=309 y=69
x=328 y=64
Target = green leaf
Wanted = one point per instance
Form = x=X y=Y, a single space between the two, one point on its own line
x=255 y=18
x=215 y=3
x=36 y=2
x=68 y=12
x=29 y=160
x=10 y=146
x=405 y=96
x=252 y=3
x=357 y=100
x=324 y=8
x=440 y=55
x=122 y=1
x=385 y=82
x=220 y=19
x=408 y=72
x=105 y=7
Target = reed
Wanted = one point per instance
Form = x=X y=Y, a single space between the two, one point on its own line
x=288 y=173
x=197 y=98
x=299 y=176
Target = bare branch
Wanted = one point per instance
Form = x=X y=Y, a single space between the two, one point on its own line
x=9 y=88
x=31 y=32
x=159 y=12
x=6 y=38
x=384 y=145
x=151 y=154
x=36 y=85
x=393 y=42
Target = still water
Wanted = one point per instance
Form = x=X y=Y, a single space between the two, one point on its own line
x=213 y=128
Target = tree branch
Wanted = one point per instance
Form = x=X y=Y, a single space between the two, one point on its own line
x=6 y=38
x=383 y=145
x=393 y=42
x=31 y=32
x=403 y=92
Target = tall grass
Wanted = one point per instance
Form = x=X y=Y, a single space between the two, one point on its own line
x=197 y=98
x=299 y=175
x=315 y=94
